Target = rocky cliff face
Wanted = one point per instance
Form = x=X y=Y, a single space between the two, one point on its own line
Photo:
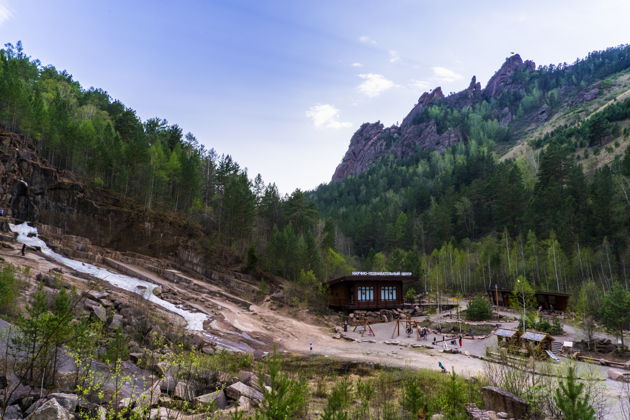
x=31 y=190
x=373 y=141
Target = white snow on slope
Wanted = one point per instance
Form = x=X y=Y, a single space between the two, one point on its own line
x=28 y=235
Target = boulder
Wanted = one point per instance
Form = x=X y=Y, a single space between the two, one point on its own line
x=67 y=401
x=184 y=391
x=244 y=403
x=168 y=384
x=13 y=412
x=238 y=389
x=217 y=398
x=499 y=400
x=50 y=410
x=97 y=309
x=116 y=322
x=97 y=295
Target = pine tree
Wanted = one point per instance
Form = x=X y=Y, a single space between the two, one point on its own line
x=572 y=399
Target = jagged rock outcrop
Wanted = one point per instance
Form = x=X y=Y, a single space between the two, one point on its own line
x=366 y=145
x=417 y=132
x=502 y=79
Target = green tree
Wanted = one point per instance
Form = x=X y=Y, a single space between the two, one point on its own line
x=522 y=296
x=479 y=309
x=572 y=400
x=616 y=310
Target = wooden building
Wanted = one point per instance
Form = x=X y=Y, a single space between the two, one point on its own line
x=368 y=290
x=507 y=337
x=544 y=300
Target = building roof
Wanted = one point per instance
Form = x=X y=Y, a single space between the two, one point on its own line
x=503 y=291
x=505 y=333
x=374 y=276
x=533 y=336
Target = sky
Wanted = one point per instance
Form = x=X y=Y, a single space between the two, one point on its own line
x=282 y=85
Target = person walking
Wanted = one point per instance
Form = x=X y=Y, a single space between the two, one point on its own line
x=461 y=342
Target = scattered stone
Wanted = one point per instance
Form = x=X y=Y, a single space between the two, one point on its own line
x=207 y=349
x=97 y=309
x=217 y=398
x=13 y=412
x=438 y=417
x=168 y=384
x=97 y=295
x=244 y=403
x=50 y=410
x=224 y=378
x=238 y=389
x=67 y=401
x=184 y=391
x=157 y=291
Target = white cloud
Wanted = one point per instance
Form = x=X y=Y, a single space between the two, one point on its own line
x=419 y=84
x=357 y=64
x=364 y=39
x=393 y=56
x=5 y=12
x=442 y=74
x=374 y=84
x=326 y=116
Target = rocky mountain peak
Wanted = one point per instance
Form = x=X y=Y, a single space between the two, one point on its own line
x=502 y=79
x=364 y=147
x=427 y=97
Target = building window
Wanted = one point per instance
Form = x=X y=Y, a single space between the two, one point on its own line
x=365 y=294
x=388 y=293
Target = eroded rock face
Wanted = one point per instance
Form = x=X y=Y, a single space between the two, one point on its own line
x=32 y=190
x=502 y=79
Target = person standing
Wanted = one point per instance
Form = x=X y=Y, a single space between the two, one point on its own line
x=461 y=341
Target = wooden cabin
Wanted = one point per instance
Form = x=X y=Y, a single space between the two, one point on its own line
x=544 y=300
x=368 y=290
x=506 y=338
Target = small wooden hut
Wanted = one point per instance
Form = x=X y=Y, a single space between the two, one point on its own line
x=507 y=338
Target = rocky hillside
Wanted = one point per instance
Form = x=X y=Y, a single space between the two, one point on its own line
x=518 y=101
x=32 y=190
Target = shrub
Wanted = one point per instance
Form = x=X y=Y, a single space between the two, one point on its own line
x=479 y=309
x=9 y=290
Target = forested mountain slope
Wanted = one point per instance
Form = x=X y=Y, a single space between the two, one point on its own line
x=93 y=168
x=527 y=177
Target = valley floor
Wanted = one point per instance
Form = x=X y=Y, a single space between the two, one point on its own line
x=238 y=324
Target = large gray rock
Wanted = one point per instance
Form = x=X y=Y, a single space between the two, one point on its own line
x=217 y=398
x=50 y=410
x=67 y=401
x=496 y=399
x=117 y=321
x=13 y=412
x=239 y=389
x=97 y=309
x=184 y=391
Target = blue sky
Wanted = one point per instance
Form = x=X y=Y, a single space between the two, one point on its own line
x=282 y=85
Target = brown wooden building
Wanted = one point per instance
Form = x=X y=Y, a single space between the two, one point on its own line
x=368 y=290
x=545 y=300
